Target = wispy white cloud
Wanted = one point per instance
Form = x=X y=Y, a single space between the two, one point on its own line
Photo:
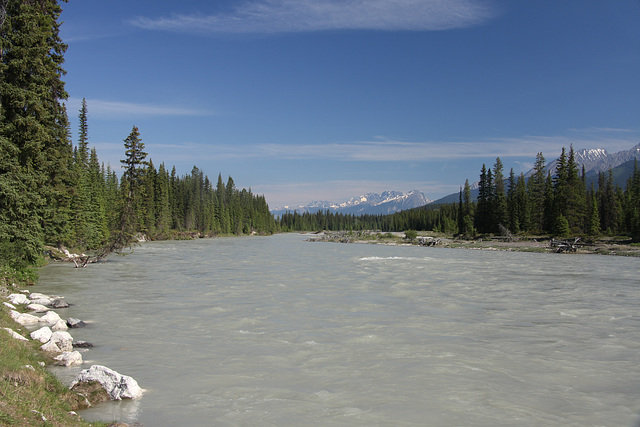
x=276 y=16
x=402 y=151
x=109 y=109
x=599 y=130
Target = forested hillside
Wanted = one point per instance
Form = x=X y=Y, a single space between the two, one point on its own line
x=560 y=204
x=52 y=192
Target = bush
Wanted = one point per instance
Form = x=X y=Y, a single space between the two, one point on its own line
x=410 y=234
x=561 y=227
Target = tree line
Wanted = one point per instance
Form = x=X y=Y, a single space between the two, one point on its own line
x=52 y=192
x=558 y=204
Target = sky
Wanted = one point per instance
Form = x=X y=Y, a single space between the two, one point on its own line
x=304 y=100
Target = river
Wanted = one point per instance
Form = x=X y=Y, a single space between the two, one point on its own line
x=277 y=331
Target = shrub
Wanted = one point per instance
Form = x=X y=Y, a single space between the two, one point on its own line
x=410 y=234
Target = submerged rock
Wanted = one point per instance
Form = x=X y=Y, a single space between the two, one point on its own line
x=82 y=344
x=116 y=385
x=58 y=303
x=72 y=322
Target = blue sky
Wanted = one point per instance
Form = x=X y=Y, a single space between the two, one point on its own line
x=307 y=100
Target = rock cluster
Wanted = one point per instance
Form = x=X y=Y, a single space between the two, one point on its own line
x=51 y=330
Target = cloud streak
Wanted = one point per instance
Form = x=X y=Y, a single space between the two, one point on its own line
x=411 y=152
x=109 y=109
x=399 y=151
x=289 y=16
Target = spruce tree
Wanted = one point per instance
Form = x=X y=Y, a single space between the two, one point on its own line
x=522 y=202
x=483 y=210
x=536 y=190
x=123 y=236
x=499 y=215
x=162 y=201
x=512 y=203
x=35 y=176
x=593 y=215
x=466 y=211
x=83 y=136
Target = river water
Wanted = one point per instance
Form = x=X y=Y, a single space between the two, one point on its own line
x=277 y=331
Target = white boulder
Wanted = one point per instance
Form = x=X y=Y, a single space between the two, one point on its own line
x=117 y=386
x=68 y=358
x=23 y=318
x=15 y=335
x=50 y=317
x=38 y=308
x=18 y=299
x=60 y=325
x=50 y=347
x=8 y=304
x=42 y=301
x=43 y=334
x=63 y=340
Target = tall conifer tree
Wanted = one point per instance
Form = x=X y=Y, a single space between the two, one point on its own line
x=33 y=127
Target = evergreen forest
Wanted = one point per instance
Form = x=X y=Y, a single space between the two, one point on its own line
x=53 y=192
x=559 y=204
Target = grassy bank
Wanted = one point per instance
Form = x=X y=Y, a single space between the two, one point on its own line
x=29 y=394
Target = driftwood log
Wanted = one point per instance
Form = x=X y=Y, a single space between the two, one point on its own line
x=565 y=245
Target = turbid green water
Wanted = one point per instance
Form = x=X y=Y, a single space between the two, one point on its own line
x=276 y=331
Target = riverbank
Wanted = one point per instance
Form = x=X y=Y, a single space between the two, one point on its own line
x=540 y=244
x=29 y=394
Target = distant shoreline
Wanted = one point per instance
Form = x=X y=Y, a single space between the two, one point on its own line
x=434 y=240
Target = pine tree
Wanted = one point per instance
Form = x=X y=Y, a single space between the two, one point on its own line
x=536 y=190
x=483 y=209
x=33 y=128
x=522 y=204
x=569 y=192
x=548 y=205
x=97 y=229
x=162 y=201
x=466 y=212
x=499 y=215
x=593 y=215
x=127 y=220
x=633 y=203
x=512 y=203
x=608 y=203
x=83 y=136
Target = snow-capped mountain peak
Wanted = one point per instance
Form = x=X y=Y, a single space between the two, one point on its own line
x=369 y=203
x=597 y=160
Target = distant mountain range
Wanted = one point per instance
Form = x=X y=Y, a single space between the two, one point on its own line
x=597 y=160
x=594 y=161
x=387 y=202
